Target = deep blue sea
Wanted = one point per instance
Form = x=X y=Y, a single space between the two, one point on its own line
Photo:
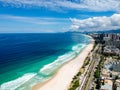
x=27 y=59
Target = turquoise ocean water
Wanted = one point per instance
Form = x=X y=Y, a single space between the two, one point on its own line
x=28 y=59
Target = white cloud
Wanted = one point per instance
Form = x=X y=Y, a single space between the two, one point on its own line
x=92 y=5
x=35 y=20
x=97 y=23
x=33 y=24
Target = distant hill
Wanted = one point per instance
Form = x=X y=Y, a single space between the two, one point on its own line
x=104 y=31
x=109 y=31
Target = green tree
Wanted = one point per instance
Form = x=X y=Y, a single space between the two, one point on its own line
x=97 y=74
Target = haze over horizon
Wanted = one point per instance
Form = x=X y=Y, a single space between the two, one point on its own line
x=39 y=16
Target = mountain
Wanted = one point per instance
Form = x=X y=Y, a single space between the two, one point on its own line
x=110 y=31
x=104 y=31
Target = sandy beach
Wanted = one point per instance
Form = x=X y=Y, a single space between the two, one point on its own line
x=62 y=79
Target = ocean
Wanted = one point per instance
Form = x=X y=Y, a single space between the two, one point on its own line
x=30 y=58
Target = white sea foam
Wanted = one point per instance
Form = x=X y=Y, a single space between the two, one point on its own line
x=12 y=85
x=50 y=68
x=77 y=48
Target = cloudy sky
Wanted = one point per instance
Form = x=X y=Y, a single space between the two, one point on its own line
x=58 y=15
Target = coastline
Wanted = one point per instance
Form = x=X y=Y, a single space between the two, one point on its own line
x=63 y=77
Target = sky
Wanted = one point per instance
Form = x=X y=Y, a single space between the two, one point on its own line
x=51 y=16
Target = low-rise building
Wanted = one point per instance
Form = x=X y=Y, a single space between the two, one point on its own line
x=111 y=50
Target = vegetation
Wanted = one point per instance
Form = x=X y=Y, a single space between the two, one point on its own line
x=95 y=44
x=75 y=85
x=75 y=82
x=86 y=62
x=106 y=54
x=82 y=70
x=98 y=84
x=92 y=88
x=97 y=72
x=118 y=57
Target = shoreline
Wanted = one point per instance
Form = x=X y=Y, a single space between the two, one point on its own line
x=63 y=77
